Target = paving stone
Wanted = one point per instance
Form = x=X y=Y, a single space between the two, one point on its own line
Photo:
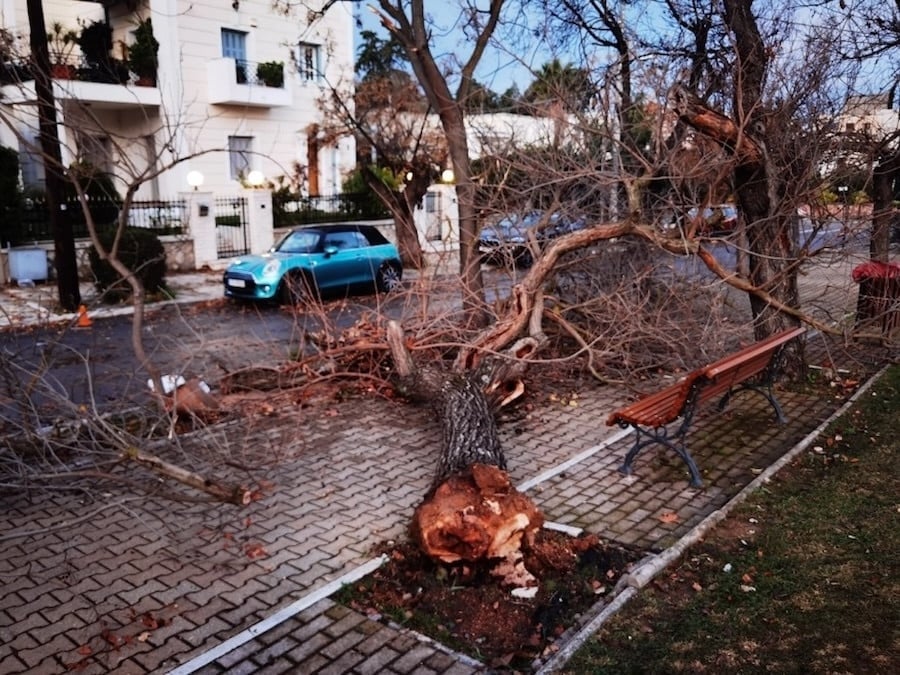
x=10 y=663
x=414 y=658
x=60 y=644
x=307 y=653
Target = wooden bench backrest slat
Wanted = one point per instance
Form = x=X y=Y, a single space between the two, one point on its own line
x=714 y=380
x=767 y=346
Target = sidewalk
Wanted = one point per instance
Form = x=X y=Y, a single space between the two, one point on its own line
x=140 y=584
x=38 y=303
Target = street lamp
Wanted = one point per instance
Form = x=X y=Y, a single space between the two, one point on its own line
x=195 y=179
x=447 y=176
x=256 y=178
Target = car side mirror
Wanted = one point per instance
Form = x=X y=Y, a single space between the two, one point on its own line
x=330 y=250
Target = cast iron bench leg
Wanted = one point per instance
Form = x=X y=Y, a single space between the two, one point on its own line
x=660 y=435
x=763 y=390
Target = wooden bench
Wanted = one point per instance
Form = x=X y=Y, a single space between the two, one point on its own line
x=753 y=368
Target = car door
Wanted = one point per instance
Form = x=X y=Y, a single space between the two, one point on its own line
x=343 y=262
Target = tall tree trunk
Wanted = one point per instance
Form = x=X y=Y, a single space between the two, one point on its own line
x=756 y=177
x=884 y=179
x=472 y=511
x=401 y=207
x=64 y=258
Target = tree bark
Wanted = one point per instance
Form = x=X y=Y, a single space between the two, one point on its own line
x=401 y=207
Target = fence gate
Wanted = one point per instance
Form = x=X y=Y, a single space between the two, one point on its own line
x=231 y=227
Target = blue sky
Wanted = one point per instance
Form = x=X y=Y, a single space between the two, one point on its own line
x=498 y=68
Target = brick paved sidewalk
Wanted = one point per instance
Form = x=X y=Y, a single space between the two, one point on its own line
x=143 y=585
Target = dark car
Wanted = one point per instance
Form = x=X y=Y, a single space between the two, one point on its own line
x=316 y=259
x=506 y=242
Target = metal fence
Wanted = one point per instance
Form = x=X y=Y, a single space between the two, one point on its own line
x=290 y=210
x=30 y=222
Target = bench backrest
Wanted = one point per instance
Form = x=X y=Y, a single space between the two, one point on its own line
x=717 y=378
x=705 y=383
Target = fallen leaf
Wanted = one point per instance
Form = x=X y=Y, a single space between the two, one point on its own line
x=696 y=586
x=254 y=551
x=669 y=517
x=85 y=650
x=143 y=637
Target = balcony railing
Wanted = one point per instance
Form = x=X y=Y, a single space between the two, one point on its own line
x=245 y=83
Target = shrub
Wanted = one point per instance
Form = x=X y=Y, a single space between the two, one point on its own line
x=271 y=73
x=141 y=251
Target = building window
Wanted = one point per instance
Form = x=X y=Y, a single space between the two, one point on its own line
x=234 y=46
x=239 y=149
x=95 y=151
x=309 y=65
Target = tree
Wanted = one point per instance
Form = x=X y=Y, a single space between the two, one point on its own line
x=874 y=36
x=407 y=23
x=63 y=239
x=399 y=154
x=741 y=119
x=557 y=84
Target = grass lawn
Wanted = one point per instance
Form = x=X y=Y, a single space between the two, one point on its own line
x=802 y=578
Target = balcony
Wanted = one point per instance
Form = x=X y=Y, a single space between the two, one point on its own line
x=104 y=88
x=234 y=82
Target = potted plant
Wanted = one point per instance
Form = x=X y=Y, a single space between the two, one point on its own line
x=61 y=43
x=143 y=57
x=271 y=73
x=96 y=43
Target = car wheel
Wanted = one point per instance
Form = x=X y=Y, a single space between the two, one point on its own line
x=389 y=278
x=295 y=289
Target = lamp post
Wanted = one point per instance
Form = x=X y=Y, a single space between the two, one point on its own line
x=842 y=191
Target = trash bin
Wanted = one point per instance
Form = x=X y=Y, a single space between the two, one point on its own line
x=27 y=264
x=878 y=305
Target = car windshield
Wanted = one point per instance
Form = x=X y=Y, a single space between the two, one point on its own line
x=299 y=241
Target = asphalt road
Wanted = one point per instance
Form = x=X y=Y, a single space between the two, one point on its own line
x=97 y=366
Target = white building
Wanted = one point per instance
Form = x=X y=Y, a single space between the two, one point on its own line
x=208 y=106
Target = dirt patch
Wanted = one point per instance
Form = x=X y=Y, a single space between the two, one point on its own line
x=462 y=605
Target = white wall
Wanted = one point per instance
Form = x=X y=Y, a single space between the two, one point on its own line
x=186 y=122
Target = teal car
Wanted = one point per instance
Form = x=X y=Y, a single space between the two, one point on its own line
x=310 y=262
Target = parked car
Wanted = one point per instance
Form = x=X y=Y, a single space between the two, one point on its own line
x=506 y=241
x=316 y=260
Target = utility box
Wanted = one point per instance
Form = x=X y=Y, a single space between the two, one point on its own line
x=27 y=264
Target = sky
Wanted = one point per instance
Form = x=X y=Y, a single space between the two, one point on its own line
x=498 y=69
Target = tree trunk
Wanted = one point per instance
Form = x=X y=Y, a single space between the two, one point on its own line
x=885 y=176
x=401 y=207
x=768 y=227
x=472 y=511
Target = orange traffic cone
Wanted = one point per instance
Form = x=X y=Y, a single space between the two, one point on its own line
x=84 y=321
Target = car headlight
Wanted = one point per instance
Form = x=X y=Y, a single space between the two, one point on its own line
x=271 y=269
